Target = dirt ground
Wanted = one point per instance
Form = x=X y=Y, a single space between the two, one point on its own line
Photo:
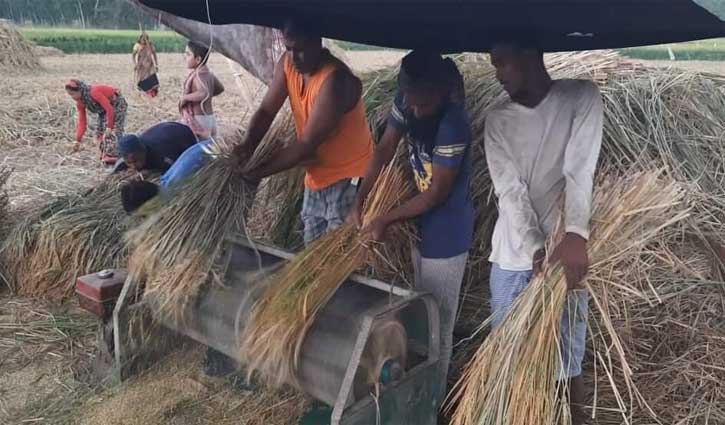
x=46 y=350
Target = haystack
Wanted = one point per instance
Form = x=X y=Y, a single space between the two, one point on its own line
x=74 y=235
x=16 y=53
x=654 y=117
x=629 y=214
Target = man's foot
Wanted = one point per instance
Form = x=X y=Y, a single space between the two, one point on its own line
x=218 y=364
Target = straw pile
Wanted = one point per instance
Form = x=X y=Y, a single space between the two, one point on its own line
x=280 y=319
x=16 y=53
x=74 y=235
x=176 y=392
x=629 y=215
x=173 y=251
x=658 y=118
x=34 y=121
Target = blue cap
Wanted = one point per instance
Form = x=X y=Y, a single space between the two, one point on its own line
x=129 y=143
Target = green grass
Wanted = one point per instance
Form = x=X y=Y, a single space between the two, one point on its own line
x=73 y=40
x=705 y=50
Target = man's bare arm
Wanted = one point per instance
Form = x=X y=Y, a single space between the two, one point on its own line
x=336 y=95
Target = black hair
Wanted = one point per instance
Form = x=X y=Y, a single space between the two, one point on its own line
x=421 y=69
x=73 y=85
x=298 y=27
x=200 y=51
x=136 y=193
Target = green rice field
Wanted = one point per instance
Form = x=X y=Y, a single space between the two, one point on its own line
x=73 y=40
x=704 y=50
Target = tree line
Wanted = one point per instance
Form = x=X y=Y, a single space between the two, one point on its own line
x=117 y=14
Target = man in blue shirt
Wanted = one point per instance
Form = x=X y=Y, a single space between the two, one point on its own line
x=155 y=149
x=429 y=112
x=137 y=192
x=169 y=147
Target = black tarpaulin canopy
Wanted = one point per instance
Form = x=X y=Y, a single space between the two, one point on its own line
x=470 y=25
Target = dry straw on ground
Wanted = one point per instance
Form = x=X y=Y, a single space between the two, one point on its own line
x=44 y=347
x=77 y=234
x=176 y=391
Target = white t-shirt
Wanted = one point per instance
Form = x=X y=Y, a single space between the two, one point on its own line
x=536 y=155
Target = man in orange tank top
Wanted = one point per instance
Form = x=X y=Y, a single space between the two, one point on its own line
x=334 y=142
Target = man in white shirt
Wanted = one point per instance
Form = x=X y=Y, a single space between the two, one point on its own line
x=542 y=146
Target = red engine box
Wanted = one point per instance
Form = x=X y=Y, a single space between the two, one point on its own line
x=98 y=292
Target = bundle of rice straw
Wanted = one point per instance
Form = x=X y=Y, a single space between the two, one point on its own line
x=174 y=250
x=74 y=235
x=16 y=53
x=281 y=317
x=512 y=379
x=284 y=194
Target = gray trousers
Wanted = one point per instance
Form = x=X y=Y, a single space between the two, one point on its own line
x=442 y=278
x=325 y=210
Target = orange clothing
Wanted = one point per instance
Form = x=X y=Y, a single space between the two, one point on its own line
x=348 y=150
x=103 y=95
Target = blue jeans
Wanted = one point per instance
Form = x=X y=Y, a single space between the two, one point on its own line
x=507 y=285
x=191 y=161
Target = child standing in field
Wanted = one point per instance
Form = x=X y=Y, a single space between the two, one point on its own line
x=199 y=88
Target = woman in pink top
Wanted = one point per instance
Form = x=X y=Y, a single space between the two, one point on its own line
x=109 y=105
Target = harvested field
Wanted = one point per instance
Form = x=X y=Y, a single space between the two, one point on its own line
x=46 y=353
x=37 y=122
x=35 y=133
x=46 y=350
